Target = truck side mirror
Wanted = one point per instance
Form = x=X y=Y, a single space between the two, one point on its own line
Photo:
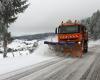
x=56 y=31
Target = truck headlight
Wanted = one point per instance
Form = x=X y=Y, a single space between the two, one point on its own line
x=79 y=42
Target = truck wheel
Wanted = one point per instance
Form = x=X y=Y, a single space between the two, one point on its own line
x=85 y=46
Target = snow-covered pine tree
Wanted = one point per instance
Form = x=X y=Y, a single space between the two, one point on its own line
x=93 y=25
x=8 y=14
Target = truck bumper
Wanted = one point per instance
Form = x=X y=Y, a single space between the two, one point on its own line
x=73 y=48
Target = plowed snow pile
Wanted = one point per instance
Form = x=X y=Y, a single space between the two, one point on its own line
x=44 y=49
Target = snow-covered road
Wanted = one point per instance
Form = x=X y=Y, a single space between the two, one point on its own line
x=66 y=69
x=57 y=68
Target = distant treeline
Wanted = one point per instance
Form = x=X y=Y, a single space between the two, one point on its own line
x=35 y=36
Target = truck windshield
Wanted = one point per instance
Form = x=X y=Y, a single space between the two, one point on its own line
x=68 y=29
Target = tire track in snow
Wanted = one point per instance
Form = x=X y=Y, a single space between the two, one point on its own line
x=40 y=75
x=63 y=70
x=15 y=75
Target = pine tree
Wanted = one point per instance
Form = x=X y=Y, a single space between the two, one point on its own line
x=8 y=14
x=94 y=19
x=93 y=25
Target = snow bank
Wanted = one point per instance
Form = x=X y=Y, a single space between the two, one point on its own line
x=11 y=64
x=16 y=44
x=93 y=43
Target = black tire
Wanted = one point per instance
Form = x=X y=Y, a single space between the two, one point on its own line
x=85 y=47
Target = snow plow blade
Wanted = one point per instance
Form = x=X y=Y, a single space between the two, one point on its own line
x=73 y=48
x=59 y=43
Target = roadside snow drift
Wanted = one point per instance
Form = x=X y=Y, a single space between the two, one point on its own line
x=11 y=64
x=93 y=43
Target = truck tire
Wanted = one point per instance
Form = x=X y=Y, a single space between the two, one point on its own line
x=85 y=47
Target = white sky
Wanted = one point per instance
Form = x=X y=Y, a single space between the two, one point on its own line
x=44 y=15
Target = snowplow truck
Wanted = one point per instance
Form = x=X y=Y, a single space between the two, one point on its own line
x=72 y=39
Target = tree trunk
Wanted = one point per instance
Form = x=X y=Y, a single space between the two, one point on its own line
x=5 y=46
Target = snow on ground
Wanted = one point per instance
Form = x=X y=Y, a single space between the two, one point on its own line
x=19 y=61
x=40 y=54
x=20 y=47
x=93 y=43
x=16 y=44
x=11 y=64
x=44 y=49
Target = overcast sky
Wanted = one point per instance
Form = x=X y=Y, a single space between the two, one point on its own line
x=44 y=15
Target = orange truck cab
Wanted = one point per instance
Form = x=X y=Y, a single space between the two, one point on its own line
x=72 y=37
